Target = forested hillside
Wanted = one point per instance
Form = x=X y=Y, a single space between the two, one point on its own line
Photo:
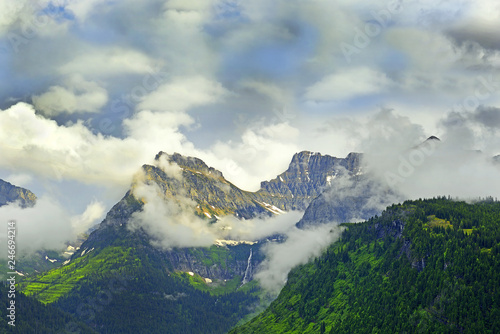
x=124 y=289
x=426 y=266
x=31 y=316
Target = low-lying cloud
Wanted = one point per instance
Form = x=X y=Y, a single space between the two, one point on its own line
x=350 y=199
x=460 y=164
x=172 y=222
x=47 y=225
x=300 y=247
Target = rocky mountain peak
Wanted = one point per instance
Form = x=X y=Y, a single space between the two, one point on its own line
x=317 y=165
x=190 y=163
x=10 y=193
x=432 y=140
x=307 y=175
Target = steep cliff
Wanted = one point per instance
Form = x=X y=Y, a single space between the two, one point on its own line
x=349 y=199
x=306 y=177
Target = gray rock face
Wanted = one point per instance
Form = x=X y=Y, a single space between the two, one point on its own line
x=307 y=176
x=184 y=260
x=190 y=162
x=349 y=199
x=10 y=193
x=394 y=229
x=206 y=186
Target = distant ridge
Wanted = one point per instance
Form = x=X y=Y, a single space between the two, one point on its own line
x=431 y=140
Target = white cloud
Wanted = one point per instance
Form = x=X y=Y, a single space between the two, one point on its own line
x=450 y=167
x=31 y=143
x=241 y=161
x=47 y=225
x=299 y=247
x=171 y=222
x=92 y=215
x=79 y=95
x=170 y=168
x=347 y=84
x=108 y=61
x=183 y=93
x=487 y=11
x=257 y=228
x=439 y=53
x=9 y=13
x=24 y=20
x=83 y=8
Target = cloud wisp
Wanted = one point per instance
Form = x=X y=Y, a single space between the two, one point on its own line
x=172 y=221
x=49 y=226
x=299 y=247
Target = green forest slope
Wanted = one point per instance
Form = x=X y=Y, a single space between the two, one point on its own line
x=123 y=289
x=426 y=266
x=31 y=316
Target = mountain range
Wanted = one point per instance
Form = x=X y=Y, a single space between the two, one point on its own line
x=201 y=286
x=192 y=276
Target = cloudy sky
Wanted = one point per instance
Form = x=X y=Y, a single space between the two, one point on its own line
x=92 y=89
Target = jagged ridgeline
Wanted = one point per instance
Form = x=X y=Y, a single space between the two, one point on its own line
x=307 y=176
x=10 y=193
x=426 y=266
x=179 y=290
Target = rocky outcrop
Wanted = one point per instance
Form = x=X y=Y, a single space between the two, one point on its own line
x=190 y=163
x=306 y=177
x=195 y=260
x=349 y=199
x=205 y=185
x=394 y=229
x=10 y=193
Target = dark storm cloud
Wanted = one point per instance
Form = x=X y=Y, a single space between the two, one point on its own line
x=486 y=116
x=485 y=35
